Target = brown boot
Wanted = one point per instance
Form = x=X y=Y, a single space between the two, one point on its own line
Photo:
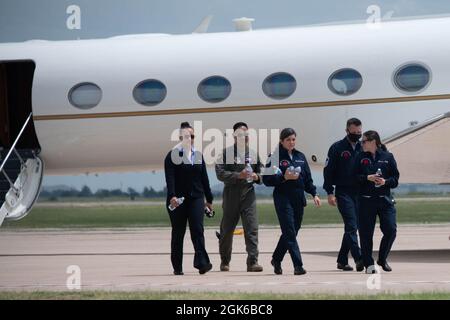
x=255 y=267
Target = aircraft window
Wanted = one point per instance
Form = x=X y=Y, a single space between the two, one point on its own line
x=85 y=95
x=214 y=89
x=149 y=92
x=345 y=82
x=279 y=85
x=412 y=77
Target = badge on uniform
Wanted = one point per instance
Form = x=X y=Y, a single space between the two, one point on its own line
x=284 y=163
x=365 y=161
x=346 y=154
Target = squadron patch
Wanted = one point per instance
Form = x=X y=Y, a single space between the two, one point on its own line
x=365 y=161
x=346 y=155
x=284 y=163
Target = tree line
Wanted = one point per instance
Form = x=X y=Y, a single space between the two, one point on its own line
x=86 y=192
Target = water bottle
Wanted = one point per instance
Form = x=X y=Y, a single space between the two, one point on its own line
x=209 y=213
x=249 y=170
x=379 y=173
x=291 y=170
x=179 y=201
x=277 y=171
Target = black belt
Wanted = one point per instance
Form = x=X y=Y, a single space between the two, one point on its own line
x=369 y=197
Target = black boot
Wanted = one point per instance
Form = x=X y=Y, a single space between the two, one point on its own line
x=205 y=269
x=298 y=271
x=276 y=267
x=344 y=267
x=359 y=266
x=384 y=265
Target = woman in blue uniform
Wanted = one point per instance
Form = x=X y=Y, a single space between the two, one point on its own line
x=376 y=173
x=289 y=197
x=187 y=179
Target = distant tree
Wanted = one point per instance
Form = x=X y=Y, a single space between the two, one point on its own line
x=45 y=194
x=132 y=193
x=85 y=192
x=102 y=193
x=150 y=193
x=117 y=193
x=146 y=192
x=162 y=193
x=67 y=193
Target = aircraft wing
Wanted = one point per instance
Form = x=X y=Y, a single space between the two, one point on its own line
x=423 y=151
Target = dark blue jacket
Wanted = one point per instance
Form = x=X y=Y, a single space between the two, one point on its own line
x=339 y=168
x=366 y=165
x=187 y=180
x=302 y=184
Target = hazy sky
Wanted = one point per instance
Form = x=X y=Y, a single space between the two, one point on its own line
x=22 y=20
x=46 y=19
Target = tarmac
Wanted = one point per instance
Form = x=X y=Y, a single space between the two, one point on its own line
x=139 y=259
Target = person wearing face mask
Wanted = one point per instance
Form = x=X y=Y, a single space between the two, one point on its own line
x=288 y=171
x=376 y=173
x=342 y=191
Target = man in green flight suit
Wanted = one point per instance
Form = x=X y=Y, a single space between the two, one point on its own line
x=239 y=168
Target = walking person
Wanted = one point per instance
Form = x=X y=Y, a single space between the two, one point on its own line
x=291 y=178
x=187 y=187
x=376 y=173
x=239 y=169
x=342 y=191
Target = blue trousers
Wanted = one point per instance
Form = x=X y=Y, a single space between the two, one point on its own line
x=348 y=207
x=192 y=211
x=289 y=208
x=369 y=209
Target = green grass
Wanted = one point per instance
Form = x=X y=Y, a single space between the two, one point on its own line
x=155 y=215
x=180 y=295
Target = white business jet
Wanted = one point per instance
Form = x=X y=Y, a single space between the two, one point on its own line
x=80 y=106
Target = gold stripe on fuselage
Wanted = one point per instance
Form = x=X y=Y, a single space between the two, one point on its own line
x=239 y=108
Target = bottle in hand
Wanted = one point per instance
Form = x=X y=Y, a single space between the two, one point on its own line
x=179 y=201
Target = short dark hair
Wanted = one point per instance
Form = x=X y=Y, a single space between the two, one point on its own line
x=185 y=125
x=238 y=125
x=354 y=122
x=286 y=132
